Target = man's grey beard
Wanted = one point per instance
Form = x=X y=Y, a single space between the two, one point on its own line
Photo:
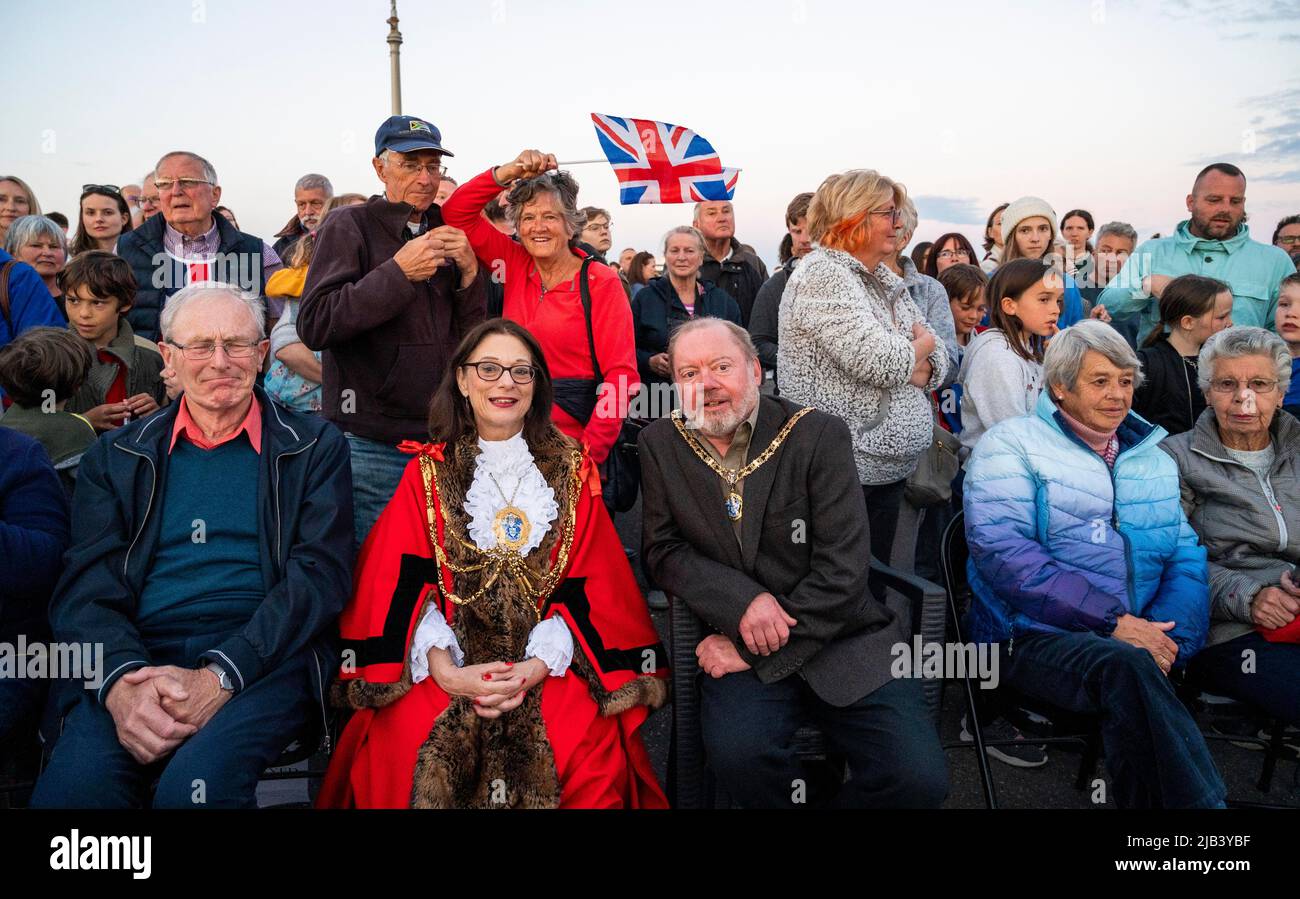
x=309 y=225
x=725 y=425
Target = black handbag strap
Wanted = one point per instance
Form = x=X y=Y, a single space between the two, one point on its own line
x=585 y=292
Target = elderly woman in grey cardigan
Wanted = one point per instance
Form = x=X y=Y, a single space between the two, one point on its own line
x=1240 y=473
x=853 y=343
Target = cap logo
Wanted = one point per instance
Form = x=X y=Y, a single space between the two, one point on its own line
x=417 y=125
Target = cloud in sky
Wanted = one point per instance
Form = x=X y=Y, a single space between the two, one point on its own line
x=1273 y=141
x=957 y=210
x=300 y=85
x=1233 y=11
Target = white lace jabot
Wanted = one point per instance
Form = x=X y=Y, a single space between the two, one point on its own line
x=511 y=463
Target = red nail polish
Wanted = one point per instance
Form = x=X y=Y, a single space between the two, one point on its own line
x=476 y=702
x=487 y=677
x=510 y=664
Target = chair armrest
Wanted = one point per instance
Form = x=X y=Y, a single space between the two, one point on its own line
x=929 y=607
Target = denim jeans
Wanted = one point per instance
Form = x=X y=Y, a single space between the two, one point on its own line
x=1271 y=682
x=377 y=469
x=218 y=767
x=887 y=737
x=1153 y=748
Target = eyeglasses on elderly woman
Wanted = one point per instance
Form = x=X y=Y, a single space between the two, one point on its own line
x=1232 y=385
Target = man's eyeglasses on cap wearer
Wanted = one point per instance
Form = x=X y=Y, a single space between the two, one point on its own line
x=183 y=184
x=412 y=168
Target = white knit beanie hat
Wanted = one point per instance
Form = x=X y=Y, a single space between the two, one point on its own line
x=1026 y=207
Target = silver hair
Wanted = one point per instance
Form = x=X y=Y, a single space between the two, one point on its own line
x=208 y=171
x=1119 y=229
x=1243 y=340
x=738 y=334
x=559 y=184
x=314 y=182
x=386 y=152
x=909 y=218
x=187 y=295
x=1064 y=356
x=685 y=229
x=28 y=229
x=695 y=210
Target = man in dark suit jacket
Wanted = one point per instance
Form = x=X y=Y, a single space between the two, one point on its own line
x=778 y=563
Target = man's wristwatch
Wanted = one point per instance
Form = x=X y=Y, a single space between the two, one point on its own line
x=222 y=677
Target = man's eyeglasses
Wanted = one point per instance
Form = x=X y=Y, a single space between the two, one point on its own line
x=491 y=371
x=1232 y=386
x=413 y=168
x=198 y=352
x=182 y=184
x=1289 y=240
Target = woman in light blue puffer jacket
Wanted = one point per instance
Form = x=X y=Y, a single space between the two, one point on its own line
x=1084 y=568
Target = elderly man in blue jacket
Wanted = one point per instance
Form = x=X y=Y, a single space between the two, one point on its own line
x=211 y=554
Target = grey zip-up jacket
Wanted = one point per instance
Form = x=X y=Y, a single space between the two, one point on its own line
x=1250 y=542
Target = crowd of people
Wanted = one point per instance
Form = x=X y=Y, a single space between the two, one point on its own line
x=374 y=464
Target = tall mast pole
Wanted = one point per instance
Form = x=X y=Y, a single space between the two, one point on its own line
x=394 y=59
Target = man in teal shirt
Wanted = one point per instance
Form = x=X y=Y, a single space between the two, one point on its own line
x=1213 y=242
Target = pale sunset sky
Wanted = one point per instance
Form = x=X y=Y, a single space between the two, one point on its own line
x=1102 y=104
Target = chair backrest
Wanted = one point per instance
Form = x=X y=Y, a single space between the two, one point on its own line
x=953 y=553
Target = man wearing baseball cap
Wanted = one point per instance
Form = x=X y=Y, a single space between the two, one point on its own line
x=390 y=292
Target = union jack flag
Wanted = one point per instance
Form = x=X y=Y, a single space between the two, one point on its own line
x=661 y=163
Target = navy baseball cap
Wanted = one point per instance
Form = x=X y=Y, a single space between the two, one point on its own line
x=405 y=134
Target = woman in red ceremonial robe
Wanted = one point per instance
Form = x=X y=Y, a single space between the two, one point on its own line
x=497 y=650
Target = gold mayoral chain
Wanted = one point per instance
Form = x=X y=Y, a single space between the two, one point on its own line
x=511 y=525
x=504 y=559
x=734 y=503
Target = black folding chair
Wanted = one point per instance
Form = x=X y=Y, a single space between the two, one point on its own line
x=1198 y=701
x=690 y=783
x=1066 y=727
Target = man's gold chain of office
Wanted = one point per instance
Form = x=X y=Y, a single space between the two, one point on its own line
x=734 y=503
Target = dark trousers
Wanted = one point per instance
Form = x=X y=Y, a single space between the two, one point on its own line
x=216 y=768
x=929 y=539
x=883 y=504
x=1271 y=681
x=1153 y=748
x=887 y=737
x=20 y=711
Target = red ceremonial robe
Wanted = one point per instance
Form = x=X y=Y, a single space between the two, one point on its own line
x=591 y=715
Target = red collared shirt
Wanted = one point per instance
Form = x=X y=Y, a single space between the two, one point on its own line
x=185 y=425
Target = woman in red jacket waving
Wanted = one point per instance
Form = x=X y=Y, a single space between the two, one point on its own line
x=594 y=368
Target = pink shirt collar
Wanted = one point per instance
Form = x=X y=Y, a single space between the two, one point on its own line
x=186 y=426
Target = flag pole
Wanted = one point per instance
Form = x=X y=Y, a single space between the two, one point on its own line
x=594 y=162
